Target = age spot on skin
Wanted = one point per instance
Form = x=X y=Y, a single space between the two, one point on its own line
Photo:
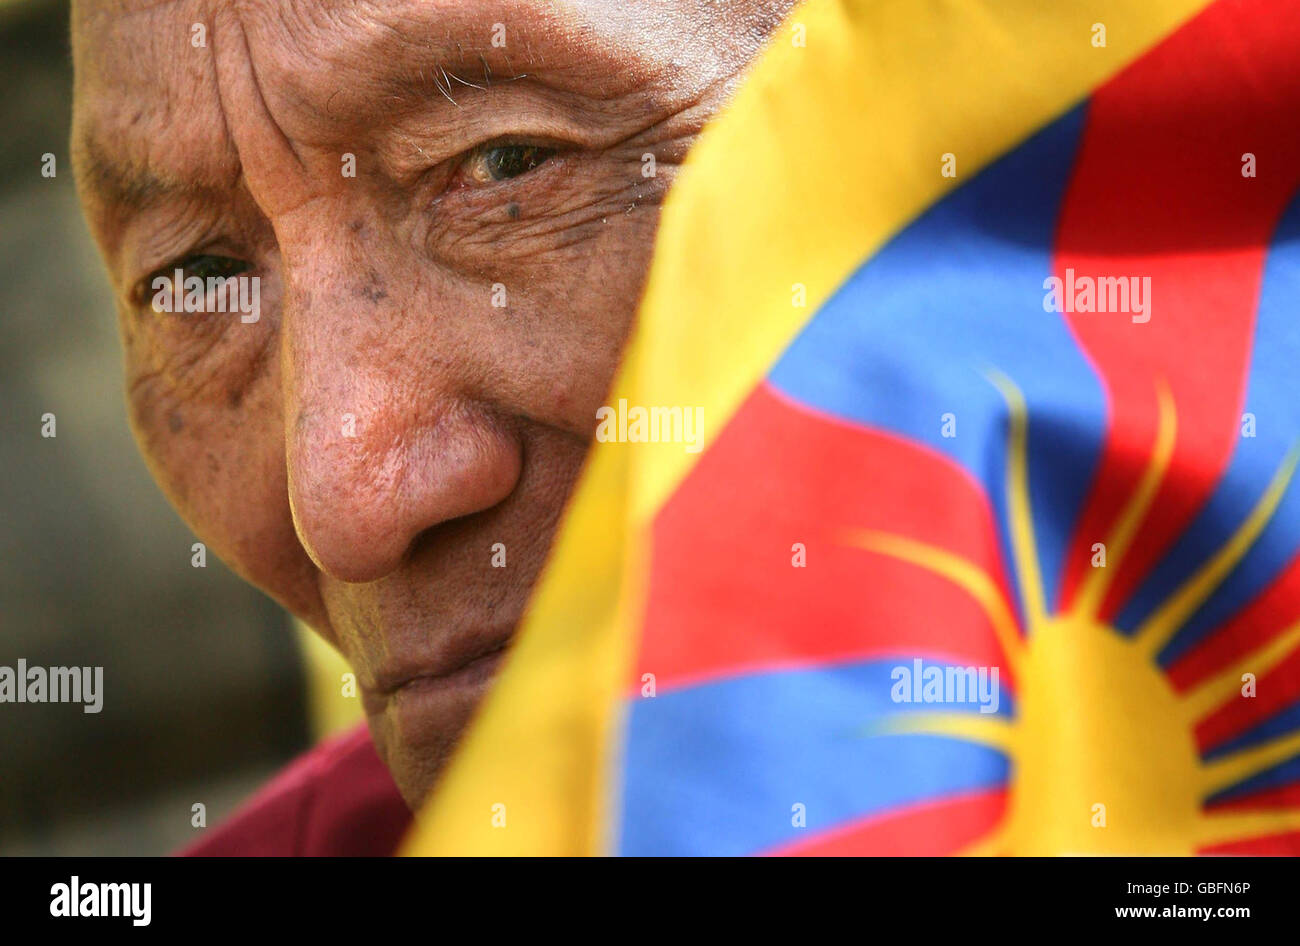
x=374 y=291
x=174 y=422
x=512 y=211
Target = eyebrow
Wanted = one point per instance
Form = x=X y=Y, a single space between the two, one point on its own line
x=468 y=72
x=417 y=86
x=124 y=185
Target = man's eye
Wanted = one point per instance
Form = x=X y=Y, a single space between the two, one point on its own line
x=204 y=266
x=501 y=162
x=207 y=266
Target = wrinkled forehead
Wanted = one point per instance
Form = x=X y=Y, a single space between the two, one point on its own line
x=144 y=68
x=347 y=56
x=140 y=86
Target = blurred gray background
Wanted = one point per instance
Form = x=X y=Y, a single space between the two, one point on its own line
x=205 y=689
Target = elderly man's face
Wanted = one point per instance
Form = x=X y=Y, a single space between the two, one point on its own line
x=449 y=209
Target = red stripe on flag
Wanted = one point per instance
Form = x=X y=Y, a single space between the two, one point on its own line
x=1273 y=845
x=1269 y=614
x=928 y=829
x=1158 y=191
x=724 y=596
x=1277 y=689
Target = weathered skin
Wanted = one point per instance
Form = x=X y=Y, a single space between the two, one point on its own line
x=470 y=421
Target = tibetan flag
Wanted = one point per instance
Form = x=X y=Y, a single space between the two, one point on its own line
x=989 y=315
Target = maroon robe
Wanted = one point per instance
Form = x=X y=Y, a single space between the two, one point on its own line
x=335 y=800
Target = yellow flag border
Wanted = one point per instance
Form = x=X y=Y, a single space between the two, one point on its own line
x=533 y=775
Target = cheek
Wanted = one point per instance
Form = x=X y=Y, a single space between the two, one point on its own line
x=593 y=311
x=221 y=464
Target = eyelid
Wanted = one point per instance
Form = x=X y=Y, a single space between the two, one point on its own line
x=481 y=156
x=522 y=140
x=459 y=178
x=142 y=289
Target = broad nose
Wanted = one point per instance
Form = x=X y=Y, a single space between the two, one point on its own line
x=385 y=435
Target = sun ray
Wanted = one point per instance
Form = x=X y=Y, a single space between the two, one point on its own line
x=1227 y=826
x=1093 y=593
x=995 y=732
x=1019 y=511
x=1157 y=631
x=1214 y=691
x=1220 y=774
x=1102 y=750
x=963 y=573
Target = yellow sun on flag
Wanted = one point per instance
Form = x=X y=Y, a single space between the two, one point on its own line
x=1103 y=752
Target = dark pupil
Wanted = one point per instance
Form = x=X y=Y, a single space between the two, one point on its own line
x=513 y=160
x=206 y=267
